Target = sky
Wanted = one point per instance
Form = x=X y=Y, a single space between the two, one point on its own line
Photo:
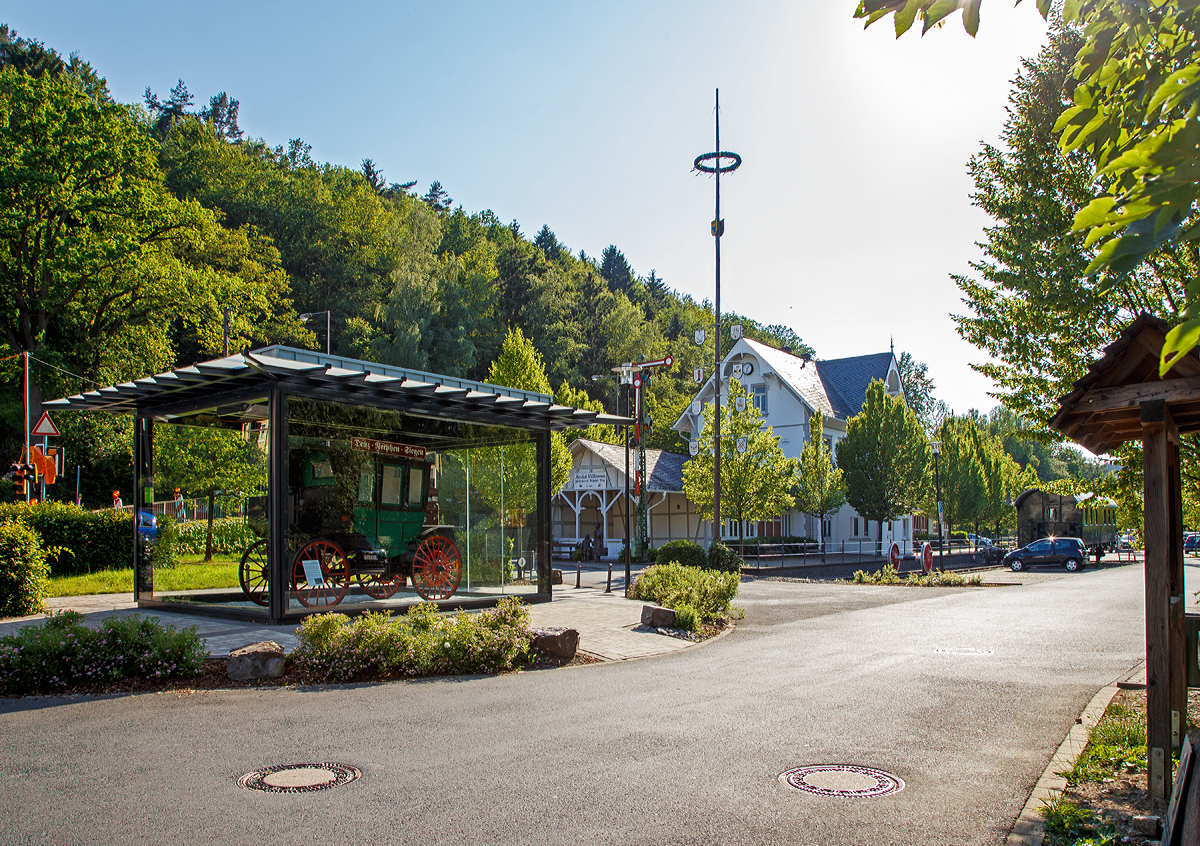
x=848 y=215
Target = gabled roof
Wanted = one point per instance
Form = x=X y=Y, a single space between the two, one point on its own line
x=846 y=380
x=800 y=374
x=666 y=468
x=1104 y=409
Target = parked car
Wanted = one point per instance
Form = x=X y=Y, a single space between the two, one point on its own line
x=147 y=525
x=1191 y=544
x=1071 y=553
x=1125 y=542
x=978 y=540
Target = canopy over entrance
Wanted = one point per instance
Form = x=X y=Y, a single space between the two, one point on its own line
x=1122 y=398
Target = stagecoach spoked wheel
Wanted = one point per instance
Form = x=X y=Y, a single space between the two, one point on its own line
x=335 y=574
x=378 y=585
x=436 y=568
x=252 y=573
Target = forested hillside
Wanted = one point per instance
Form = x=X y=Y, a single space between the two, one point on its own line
x=129 y=229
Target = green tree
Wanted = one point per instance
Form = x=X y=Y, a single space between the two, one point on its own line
x=961 y=474
x=820 y=489
x=755 y=483
x=568 y=396
x=885 y=458
x=512 y=468
x=918 y=390
x=1136 y=85
x=210 y=463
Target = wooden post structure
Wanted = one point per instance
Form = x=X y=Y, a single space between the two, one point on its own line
x=1166 y=670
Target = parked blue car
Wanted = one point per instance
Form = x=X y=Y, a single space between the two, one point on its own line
x=147 y=525
x=1071 y=553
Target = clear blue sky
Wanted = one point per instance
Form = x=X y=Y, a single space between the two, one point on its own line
x=845 y=221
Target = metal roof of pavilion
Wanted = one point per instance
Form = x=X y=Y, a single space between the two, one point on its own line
x=314 y=373
x=1104 y=409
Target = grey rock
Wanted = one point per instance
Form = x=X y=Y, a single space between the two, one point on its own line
x=556 y=577
x=1147 y=825
x=658 y=617
x=263 y=660
x=555 y=641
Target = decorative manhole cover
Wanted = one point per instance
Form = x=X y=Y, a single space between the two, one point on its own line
x=842 y=780
x=299 y=778
x=963 y=650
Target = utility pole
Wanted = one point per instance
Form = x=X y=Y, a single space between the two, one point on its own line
x=717 y=167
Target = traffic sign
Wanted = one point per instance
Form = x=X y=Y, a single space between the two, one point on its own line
x=45 y=426
x=927 y=557
x=894 y=556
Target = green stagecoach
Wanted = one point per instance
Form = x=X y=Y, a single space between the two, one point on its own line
x=366 y=522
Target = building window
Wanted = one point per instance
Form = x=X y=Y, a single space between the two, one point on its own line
x=828 y=528
x=760 y=399
x=856 y=527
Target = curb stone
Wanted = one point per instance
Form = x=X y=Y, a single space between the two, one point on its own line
x=1030 y=827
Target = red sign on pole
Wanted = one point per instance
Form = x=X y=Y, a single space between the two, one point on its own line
x=927 y=557
x=389 y=449
x=894 y=556
x=45 y=427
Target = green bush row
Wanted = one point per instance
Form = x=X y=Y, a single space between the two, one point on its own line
x=24 y=573
x=695 y=595
x=422 y=642
x=63 y=653
x=718 y=556
x=889 y=576
x=76 y=541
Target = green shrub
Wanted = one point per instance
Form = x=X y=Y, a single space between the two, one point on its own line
x=165 y=550
x=707 y=592
x=63 y=653
x=76 y=541
x=722 y=558
x=422 y=642
x=889 y=576
x=24 y=573
x=683 y=552
x=231 y=536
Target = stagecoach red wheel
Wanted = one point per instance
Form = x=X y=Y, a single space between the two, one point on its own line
x=253 y=573
x=436 y=568
x=335 y=573
x=379 y=585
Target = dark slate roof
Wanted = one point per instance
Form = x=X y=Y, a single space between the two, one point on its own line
x=846 y=380
x=666 y=468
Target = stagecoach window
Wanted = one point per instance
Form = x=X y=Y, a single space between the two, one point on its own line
x=322 y=468
x=393 y=485
x=366 y=482
x=415 y=477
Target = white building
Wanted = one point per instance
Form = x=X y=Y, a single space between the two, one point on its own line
x=595 y=495
x=788 y=389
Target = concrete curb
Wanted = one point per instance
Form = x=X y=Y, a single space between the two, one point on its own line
x=601 y=659
x=1030 y=827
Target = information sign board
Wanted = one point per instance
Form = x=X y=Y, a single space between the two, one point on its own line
x=389 y=449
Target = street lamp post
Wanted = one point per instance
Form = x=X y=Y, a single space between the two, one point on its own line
x=937 y=486
x=304 y=319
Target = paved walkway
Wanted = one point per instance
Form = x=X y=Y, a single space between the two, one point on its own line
x=608 y=624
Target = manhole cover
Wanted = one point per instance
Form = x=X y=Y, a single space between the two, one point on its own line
x=299 y=778
x=963 y=650
x=842 y=780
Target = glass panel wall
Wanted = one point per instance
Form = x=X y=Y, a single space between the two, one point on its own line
x=387 y=509
x=208 y=538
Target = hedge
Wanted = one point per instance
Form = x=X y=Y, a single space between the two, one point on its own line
x=695 y=595
x=24 y=575
x=681 y=551
x=231 y=536
x=76 y=541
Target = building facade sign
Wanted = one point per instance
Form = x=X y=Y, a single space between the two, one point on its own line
x=590 y=478
x=389 y=449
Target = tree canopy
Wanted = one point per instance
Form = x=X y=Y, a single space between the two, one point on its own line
x=820 y=488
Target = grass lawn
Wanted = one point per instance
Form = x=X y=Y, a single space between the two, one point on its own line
x=189 y=574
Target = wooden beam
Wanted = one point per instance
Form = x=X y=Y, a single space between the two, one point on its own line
x=1157 y=516
x=1131 y=396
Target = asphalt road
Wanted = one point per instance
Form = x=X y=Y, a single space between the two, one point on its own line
x=683 y=749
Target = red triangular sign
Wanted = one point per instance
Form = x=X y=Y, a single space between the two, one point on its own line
x=45 y=426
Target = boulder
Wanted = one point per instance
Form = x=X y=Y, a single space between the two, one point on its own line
x=556 y=577
x=1148 y=826
x=555 y=641
x=657 y=617
x=264 y=660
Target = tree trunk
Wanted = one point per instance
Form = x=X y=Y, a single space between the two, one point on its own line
x=208 y=543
